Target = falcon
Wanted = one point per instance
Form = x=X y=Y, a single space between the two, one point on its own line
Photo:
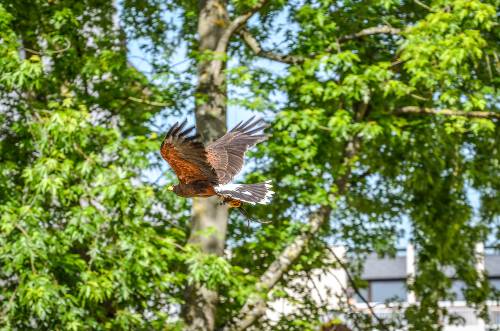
x=205 y=171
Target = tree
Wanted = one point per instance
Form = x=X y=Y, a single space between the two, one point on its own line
x=388 y=110
x=84 y=241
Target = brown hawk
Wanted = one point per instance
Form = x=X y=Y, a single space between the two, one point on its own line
x=204 y=171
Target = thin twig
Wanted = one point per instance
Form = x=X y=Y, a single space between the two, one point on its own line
x=82 y=153
x=157 y=180
x=418 y=97
x=254 y=45
x=355 y=288
x=247 y=216
x=9 y=304
x=318 y=292
x=223 y=41
x=346 y=293
x=395 y=63
x=94 y=246
x=324 y=128
x=447 y=112
x=182 y=248
x=423 y=5
x=384 y=29
x=151 y=103
x=488 y=66
x=23 y=231
x=49 y=52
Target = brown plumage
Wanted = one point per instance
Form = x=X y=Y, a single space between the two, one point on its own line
x=206 y=171
x=226 y=153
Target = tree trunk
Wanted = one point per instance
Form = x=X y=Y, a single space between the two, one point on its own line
x=209 y=220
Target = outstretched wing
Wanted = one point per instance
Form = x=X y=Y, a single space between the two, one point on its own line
x=186 y=155
x=226 y=153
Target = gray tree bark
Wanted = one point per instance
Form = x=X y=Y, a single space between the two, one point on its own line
x=209 y=220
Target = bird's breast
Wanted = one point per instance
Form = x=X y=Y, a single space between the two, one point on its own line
x=197 y=190
x=207 y=191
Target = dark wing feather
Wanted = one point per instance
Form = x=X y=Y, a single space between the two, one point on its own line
x=226 y=153
x=186 y=155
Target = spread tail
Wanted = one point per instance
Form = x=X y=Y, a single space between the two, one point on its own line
x=249 y=193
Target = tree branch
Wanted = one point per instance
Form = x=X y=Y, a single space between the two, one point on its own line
x=28 y=240
x=384 y=29
x=256 y=303
x=7 y=307
x=49 y=52
x=240 y=21
x=423 y=5
x=254 y=45
x=151 y=103
x=447 y=112
x=235 y=24
x=355 y=288
x=346 y=293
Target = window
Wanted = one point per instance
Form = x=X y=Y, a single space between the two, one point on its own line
x=364 y=292
x=495 y=283
x=458 y=288
x=387 y=290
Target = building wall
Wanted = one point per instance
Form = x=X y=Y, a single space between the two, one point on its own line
x=387 y=279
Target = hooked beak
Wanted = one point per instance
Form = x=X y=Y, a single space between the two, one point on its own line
x=170 y=188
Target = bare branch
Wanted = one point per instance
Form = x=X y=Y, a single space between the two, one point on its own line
x=296 y=59
x=151 y=103
x=257 y=49
x=447 y=112
x=423 y=5
x=49 y=52
x=346 y=293
x=28 y=240
x=419 y=97
x=256 y=304
x=82 y=153
x=384 y=29
x=8 y=306
x=355 y=288
x=318 y=292
x=235 y=24
x=488 y=66
x=241 y=20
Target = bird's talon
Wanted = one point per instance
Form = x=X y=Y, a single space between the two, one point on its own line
x=234 y=204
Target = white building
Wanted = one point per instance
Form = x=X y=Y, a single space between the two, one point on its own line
x=387 y=290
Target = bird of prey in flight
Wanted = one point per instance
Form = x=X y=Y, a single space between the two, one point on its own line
x=205 y=171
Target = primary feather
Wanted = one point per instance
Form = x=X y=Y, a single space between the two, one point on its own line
x=187 y=156
x=226 y=153
x=206 y=171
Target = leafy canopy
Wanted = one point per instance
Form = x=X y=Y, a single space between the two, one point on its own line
x=88 y=241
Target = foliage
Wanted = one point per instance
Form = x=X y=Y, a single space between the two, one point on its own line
x=89 y=241
x=85 y=242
